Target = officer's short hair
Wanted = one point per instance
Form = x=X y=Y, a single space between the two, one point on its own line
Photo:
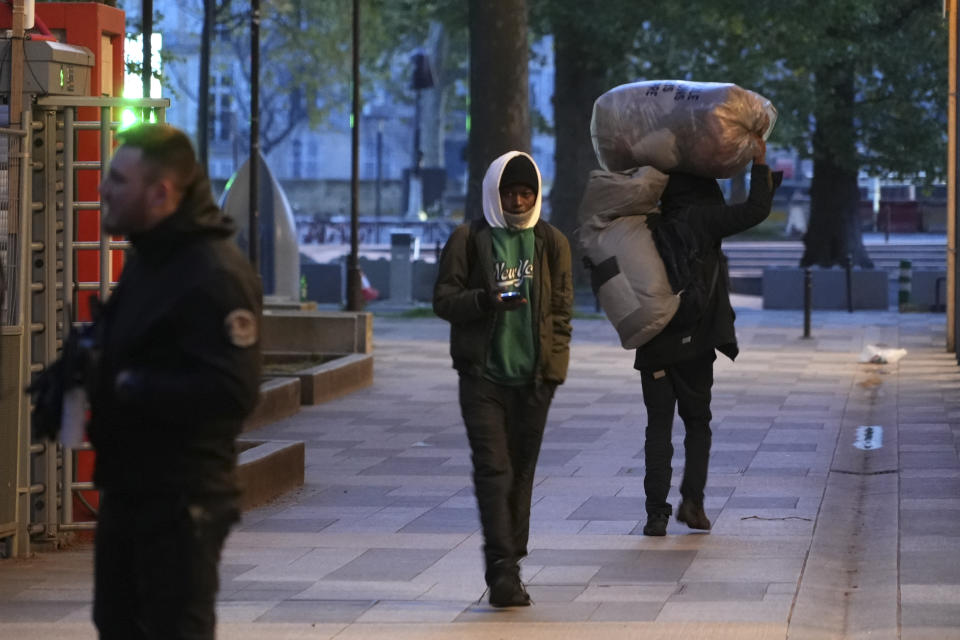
x=165 y=149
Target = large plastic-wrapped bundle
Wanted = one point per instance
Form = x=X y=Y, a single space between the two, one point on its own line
x=704 y=128
x=626 y=271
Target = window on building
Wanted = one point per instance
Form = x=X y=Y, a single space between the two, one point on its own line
x=297 y=159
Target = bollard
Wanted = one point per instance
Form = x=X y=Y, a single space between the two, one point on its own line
x=807 y=300
x=906 y=275
x=849 y=268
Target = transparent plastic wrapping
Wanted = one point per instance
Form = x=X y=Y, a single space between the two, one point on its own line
x=704 y=128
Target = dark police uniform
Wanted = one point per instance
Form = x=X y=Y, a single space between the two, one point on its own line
x=179 y=367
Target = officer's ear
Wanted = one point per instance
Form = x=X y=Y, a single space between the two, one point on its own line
x=163 y=196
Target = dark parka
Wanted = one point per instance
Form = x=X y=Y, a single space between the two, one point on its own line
x=173 y=427
x=700 y=204
x=466 y=281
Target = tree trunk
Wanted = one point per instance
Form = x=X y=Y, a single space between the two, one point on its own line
x=833 y=235
x=578 y=81
x=434 y=100
x=499 y=89
x=203 y=91
x=577 y=84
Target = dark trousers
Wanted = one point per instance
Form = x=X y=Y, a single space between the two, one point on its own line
x=685 y=386
x=505 y=427
x=155 y=565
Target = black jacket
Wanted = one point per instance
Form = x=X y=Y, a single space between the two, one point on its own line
x=177 y=325
x=466 y=274
x=700 y=203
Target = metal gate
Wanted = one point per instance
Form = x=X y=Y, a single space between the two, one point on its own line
x=48 y=251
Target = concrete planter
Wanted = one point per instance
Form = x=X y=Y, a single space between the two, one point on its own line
x=336 y=378
x=267 y=470
x=317 y=332
x=783 y=288
x=279 y=399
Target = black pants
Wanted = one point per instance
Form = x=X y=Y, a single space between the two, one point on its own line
x=155 y=565
x=685 y=386
x=505 y=427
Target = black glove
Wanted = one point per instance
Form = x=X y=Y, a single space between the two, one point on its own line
x=75 y=367
x=47 y=395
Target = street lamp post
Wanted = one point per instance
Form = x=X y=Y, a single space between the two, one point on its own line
x=354 y=277
x=377 y=113
x=422 y=79
x=377 y=205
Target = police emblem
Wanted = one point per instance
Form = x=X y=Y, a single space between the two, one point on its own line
x=241 y=327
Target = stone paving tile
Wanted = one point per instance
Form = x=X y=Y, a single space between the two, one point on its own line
x=760 y=502
x=945 y=616
x=743 y=570
x=626 y=612
x=929 y=567
x=541 y=612
x=648 y=566
x=445 y=520
x=401 y=466
x=554 y=593
x=316 y=611
x=928 y=460
x=399 y=611
x=311 y=525
x=719 y=591
x=722 y=612
x=37 y=611
x=935 y=521
x=564 y=575
x=610 y=508
x=387 y=564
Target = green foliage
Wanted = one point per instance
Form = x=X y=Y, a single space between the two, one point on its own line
x=896 y=53
x=306 y=55
x=895 y=49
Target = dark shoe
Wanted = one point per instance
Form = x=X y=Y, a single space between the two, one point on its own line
x=693 y=516
x=506 y=590
x=656 y=524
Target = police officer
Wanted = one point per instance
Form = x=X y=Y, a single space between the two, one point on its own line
x=176 y=372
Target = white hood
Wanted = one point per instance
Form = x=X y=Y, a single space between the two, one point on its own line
x=492 y=209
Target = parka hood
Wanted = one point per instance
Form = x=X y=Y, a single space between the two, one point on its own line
x=492 y=209
x=197 y=215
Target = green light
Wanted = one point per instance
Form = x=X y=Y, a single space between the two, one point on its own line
x=62 y=80
x=351 y=121
x=127 y=119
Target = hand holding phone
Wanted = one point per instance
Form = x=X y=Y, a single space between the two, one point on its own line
x=508 y=300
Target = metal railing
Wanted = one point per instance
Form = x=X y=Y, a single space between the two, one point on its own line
x=106 y=126
x=40 y=251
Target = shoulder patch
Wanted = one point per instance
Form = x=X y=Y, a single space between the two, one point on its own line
x=241 y=326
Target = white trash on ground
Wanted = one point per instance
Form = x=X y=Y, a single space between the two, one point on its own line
x=880 y=354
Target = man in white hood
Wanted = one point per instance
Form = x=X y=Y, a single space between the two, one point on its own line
x=504 y=284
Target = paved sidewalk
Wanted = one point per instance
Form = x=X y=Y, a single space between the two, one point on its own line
x=813 y=538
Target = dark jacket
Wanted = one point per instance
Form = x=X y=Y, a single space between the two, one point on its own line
x=700 y=203
x=465 y=280
x=175 y=325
